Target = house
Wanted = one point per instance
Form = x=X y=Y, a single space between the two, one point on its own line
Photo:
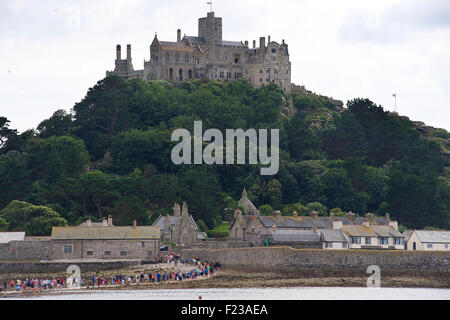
x=178 y=228
x=105 y=242
x=6 y=237
x=333 y=239
x=429 y=240
x=369 y=236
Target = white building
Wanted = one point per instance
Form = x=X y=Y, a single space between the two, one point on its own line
x=429 y=240
x=368 y=236
x=6 y=237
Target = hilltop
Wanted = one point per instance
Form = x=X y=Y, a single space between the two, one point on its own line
x=111 y=155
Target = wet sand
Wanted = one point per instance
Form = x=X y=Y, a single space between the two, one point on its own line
x=229 y=278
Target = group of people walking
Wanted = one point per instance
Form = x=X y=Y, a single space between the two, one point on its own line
x=198 y=269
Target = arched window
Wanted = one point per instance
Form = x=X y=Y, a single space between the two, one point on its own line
x=180 y=74
x=190 y=73
x=167 y=57
x=171 y=74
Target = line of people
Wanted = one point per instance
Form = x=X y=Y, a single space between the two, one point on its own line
x=199 y=270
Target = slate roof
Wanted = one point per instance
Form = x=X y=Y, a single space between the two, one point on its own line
x=291 y=222
x=386 y=231
x=104 y=233
x=407 y=234
x=331 y=235
x=171 y=220
x=6 y=237
x=196 y=40
x=433 y=236
x=233 y=43
x=295 y=236
x=371 y=231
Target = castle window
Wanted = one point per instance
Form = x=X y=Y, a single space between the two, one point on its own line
x=180 y=75
x=190 y=74
x=107 y=253
x=260 y=71
x=274 y=50
x=260 y=79
x=167 y=57
x=171 y=74
x=186 y=58
x=275 y=71
x=123 y=253
x=90 y=253
x=177 y=57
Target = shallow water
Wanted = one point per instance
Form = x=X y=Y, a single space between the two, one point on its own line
x=258 y=294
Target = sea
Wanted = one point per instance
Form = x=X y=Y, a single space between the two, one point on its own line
x=294 y=293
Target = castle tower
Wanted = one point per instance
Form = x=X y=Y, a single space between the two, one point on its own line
x=210 y=29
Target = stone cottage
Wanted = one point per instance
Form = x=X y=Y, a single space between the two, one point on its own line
x=105 y=241
x=178 y=228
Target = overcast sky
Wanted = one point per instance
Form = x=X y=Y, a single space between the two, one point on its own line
x=53 y=51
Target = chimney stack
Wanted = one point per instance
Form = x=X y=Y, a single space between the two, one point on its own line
x=254 y=44
x=184 y=209
x=246 y=43
x=262 y=43
x=337 y=224
x=268 y=40
x=176 y=210
x=89 y=222
x=295 y=214
x=118 y=52
x=105 y=222
x=110 y=223
x=366 y=223
x=277 y=213
x=129 y=52
x=134 y=224
x=179 y=35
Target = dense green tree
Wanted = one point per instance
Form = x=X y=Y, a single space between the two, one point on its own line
x=34 y=220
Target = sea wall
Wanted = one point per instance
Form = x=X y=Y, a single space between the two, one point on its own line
x=61 y=267
x=277 y=258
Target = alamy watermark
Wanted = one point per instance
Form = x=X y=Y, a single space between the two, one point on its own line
x=235 y=141
x=374 y=281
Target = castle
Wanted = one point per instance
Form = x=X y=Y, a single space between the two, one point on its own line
x=207 y=56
